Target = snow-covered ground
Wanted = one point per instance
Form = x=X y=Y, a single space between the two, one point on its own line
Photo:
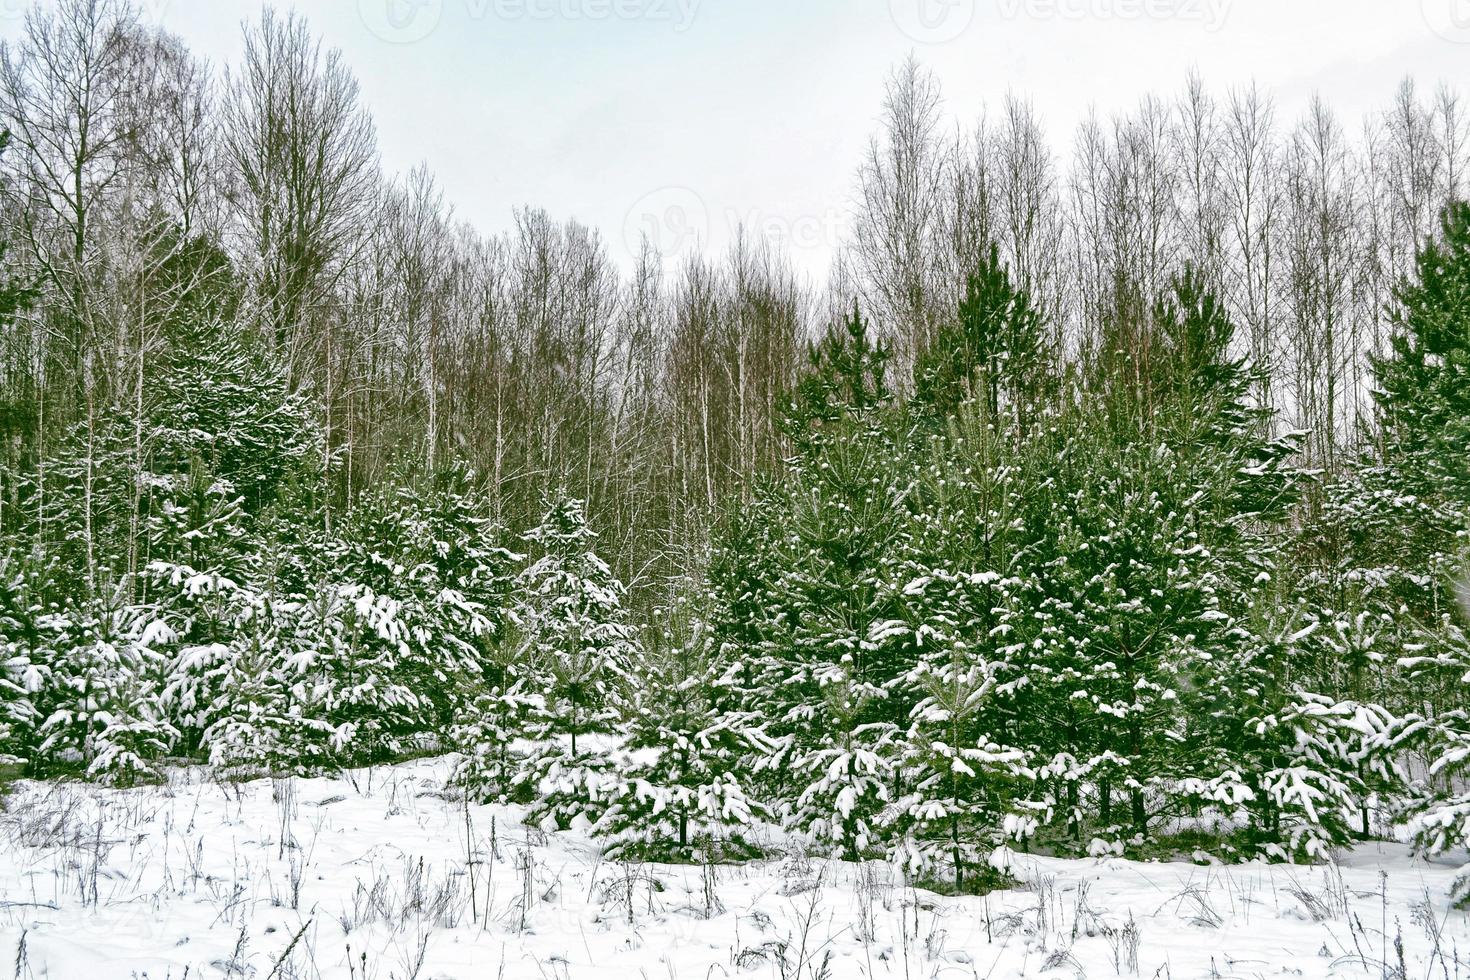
x=382 y=874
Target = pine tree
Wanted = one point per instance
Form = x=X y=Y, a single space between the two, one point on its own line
x=214 y=429
x=968 y=790
x=422 y=560
x=216 y=398
x=1137 y=613
x=1299 y=764
x=498 y=714
x=965 y=603
x=818 y=580
x=1423 y=383
x=1153 y=563
x=574 y=623
x=847 y=776
x=993 y=352
x=1440 y=810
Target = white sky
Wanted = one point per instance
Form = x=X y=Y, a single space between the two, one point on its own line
x=697 y=114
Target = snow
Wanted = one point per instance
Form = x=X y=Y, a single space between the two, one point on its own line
x=364 y=875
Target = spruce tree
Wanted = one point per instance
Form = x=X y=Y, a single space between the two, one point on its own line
x=683 y=792
x=1418 y=511
x=578 y=647
x=23 y=672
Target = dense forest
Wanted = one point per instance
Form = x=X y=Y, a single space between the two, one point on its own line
x=1106 y=502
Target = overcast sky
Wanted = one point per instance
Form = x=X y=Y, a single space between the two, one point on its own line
x=699 y=114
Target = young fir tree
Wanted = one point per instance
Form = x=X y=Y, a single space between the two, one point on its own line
x=1423 y=383
x=1422 y=491
x=102 y=705
x=23 y=673
x=579 y=647
x=199 y=535
x=269 y=710
x=1136 y=612
x=683 y=792
x=424 y=584
x=1295 y=762
x=965 y=784
x=503 y=709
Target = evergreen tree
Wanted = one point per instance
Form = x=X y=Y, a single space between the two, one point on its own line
x=683 y=793
x=1154 y=563
x=578 y=645
x=1423 y=382
x=993 y=352
x=820 y=577
x=267 y=713
x=420 y=563
x=224 y=446
x=23 y=672
x=967 y=795
x=574 y=623
x=1416 y=510
x=498 y=714
x=966 y=603
x=212 y=428
x=102 y=708
x=1298 y=763
x=1292 y=757
x=846 y=775
x=1440 y=809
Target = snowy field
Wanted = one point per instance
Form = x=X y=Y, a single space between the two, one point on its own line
x=383 y=874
